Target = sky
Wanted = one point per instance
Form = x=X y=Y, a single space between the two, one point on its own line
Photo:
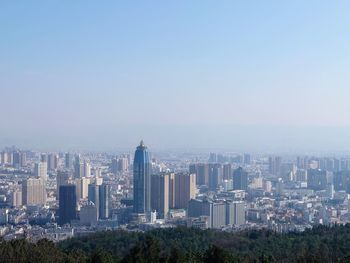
x=244 y=75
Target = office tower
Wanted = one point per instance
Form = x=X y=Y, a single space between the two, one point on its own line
x=88 y=214
x=86 y=170
x=104 y=195
x=341 y=181
x=160 y=194
x=172 y=190
x=19 y=159
x=77 y=167
x=96 y=172
x=202 y=174
x=240 y=179
x=93 y=194
x=52 y=161
x=43 y=158
x=302 y=162
x=213 y=158
x=337 y=165
x=316 y=179
x=215 y=211
x=82 y=187
x=23 y=159
x=215 y=176
x=34 y=191
x=239 y=213
x=16 y=198
x=123 y=164
x=40 y=170
x=114 y=166
x=301 y=175
x=247 y=159
x=98 y=180
x=275 y=165
x=68 y=161
x=279 y=187
x=62 y=178
x=16 y=159
x=142 y=180
x=67 y=204
x=227 y=171
x=185 y=189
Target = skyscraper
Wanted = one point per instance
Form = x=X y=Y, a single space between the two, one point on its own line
x=240 y=179
x=34 y=191
x=215 y=175
x=68 y=161
x=94 y=196
x=104 y=192
x=40 y=170
x=67 y=204
x=202 y=174
x=142 y=180
x=275 y=165
x=77 y=167
x=160 y=194
x=172 y=191
x=185 y=189
x=61 y=179
x=52 y=161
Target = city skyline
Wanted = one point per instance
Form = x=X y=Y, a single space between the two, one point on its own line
x=197 y=72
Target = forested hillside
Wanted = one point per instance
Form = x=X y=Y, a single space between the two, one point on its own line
x=320 y=244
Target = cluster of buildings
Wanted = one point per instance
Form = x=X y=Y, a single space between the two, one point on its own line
x=60 y=195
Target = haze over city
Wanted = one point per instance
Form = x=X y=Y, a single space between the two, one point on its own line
x=204 y=75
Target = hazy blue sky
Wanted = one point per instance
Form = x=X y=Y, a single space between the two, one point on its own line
x=242 y=74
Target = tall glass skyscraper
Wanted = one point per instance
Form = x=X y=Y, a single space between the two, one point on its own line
x=142 y=180
x=68 y=203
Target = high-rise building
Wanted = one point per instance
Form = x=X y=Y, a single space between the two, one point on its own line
x=142 y=180
x=185 y=189
x=52 y=161
x=68 y=161
x=247 y=159
x=86 y=170
x=227 y=171
x=316 y=179
x=114 y=165
x=88 y=214
x=82 y=185
x=240 y=179
x=239 y=213
x=40 y=170
x=19 y=159
x=123 y=164
x=275 y=165
x=16 y=198
x=43 y=157
x=160 y=194
x=77 y=167
x=172 y=191
x=62 y=178
x=202 y=174
x=67 y=204
x=219 y=213
x=104 y=195
x=94 y=196
x=213 y=158
x=34 y=191
x=215 y=176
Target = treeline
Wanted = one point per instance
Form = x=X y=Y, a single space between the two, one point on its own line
x=320 y=244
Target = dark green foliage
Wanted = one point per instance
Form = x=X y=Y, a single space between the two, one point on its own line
x=180 y=245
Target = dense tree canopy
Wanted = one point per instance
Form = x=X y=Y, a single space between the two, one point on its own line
x=176 y=245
